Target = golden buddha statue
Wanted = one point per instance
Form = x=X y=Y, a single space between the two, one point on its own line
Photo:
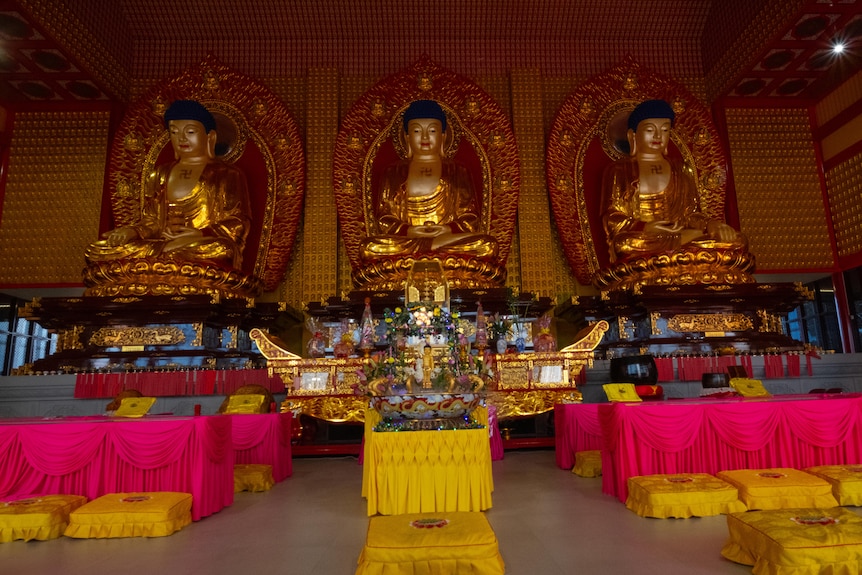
x=426 y=204
x=651 y=202
x=195 y=209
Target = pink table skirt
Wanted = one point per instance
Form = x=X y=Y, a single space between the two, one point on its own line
x=576 y=428
x=95 y=456
x=713 y=435
x=264 y=438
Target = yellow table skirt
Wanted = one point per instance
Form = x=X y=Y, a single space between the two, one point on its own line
x=155 y=514
x=41 y=518
x=430 y=544
x=808 y=541
x=780 y=488
x=425 y=471
x=588 y=463
x=846 y=481
x=682 y=495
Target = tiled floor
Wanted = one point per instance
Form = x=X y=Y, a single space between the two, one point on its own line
x=548 y=521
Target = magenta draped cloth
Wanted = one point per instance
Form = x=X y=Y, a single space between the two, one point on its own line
x=494 y=434
x=264 y=438
x=99 y=455
x=708 y=436
x=576 y=428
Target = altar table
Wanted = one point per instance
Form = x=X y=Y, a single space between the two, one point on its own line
x=92 y=456
x=264 y=438
x=576 y=428
x=708 y=436
x=427 y=471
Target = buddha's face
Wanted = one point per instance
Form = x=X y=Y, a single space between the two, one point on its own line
x=652 y=136
x=189 y=138
x=425 y=137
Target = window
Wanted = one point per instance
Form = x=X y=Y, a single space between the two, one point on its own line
x=21 y=341
x=816 y=322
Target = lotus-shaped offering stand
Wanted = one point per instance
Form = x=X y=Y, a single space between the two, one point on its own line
x=426 y=405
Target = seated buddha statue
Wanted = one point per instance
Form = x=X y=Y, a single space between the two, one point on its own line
x=195 y=208
x=651 y=203
x=426 y=203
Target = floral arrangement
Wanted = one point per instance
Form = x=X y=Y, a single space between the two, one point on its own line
x=419 y=320
x=499 y=326
x=398 y=369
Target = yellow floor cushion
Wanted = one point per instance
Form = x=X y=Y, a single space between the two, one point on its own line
x=154 y=514
x=41 y=518
x=252 y=477
x=807 y=541
x=588 y=463
x=780 y=488
x=430 y=544
x=682 y=495
x=846 y=481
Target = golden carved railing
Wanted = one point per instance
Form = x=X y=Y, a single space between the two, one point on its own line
x=523 y=384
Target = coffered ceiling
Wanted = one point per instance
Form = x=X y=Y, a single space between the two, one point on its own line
x=66 y=51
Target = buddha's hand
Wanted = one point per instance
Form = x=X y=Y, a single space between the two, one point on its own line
x=721 y=231
x=427 y=231
x=120 y=236
x=663 y=226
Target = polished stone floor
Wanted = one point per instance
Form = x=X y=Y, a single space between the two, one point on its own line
x=547 y=521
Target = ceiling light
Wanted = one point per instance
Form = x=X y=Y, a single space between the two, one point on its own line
x=838 y=48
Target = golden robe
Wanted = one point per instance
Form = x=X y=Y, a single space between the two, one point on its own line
x=626 y=211
x=218 y=206
x=452 y=203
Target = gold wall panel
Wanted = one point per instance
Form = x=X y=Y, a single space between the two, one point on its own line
x=320 y=227
x=53 y=196
x=778 y=189
x=845 y=96
x=844 y=183
x=534 y=213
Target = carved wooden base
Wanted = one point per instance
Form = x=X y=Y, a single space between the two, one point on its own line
x=461 y=273
x=684 y=267
x=163 y=276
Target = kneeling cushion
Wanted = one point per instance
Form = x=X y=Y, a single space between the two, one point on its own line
x=846 y=481
x=807 y=541
x=682 y=495
x=430 y=544
x=252 y=477
x=588 y=463
x=41 y=518
x=155 y=514
x=780 y=488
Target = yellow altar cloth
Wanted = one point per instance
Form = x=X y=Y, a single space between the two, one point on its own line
x=426 y=471
x=155 y=514
x=430 y=544
x=682 y=495
x=40 y=518
x=846 y=481
x=807 y=541
x=780 y=488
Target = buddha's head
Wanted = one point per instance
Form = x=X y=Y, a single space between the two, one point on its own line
x=424 y=129
x=192 y=130
x=649 y=127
